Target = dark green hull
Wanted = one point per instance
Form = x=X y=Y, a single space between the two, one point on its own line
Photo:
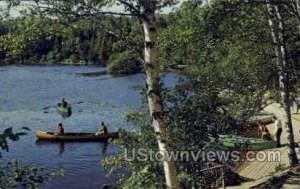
x=65 y=111
x=238 y=142
x=262 y=118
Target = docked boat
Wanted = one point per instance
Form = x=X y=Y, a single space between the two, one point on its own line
x=262 y=118
x=238 y=142
x=80 y=137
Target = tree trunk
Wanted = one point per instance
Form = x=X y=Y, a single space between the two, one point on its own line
x=276 y=25
x=153 y=95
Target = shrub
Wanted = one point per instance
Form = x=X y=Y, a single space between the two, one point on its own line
x=124 y=63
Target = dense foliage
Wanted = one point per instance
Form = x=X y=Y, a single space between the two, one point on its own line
x=232 y=76
x=232 y=72
x=37 y=40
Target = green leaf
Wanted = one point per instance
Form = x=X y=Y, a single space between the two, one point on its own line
x=7 y=131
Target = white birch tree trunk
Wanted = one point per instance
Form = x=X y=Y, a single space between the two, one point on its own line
x=276 y=25
x=153 y=93
x=298 y=12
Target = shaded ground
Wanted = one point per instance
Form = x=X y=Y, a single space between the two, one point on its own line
x=263 y=171
x=278 y=111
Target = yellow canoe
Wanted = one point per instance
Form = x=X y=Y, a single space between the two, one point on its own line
x=80 y=137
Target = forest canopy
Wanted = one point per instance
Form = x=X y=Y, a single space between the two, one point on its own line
x=237 y=57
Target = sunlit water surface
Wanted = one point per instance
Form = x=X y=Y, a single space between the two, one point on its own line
x=26 y=90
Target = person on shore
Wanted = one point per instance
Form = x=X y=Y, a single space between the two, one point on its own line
x=102 y=129
x=291 y=103
x=298 y=104
x=264 y=132
x=59 y=130
x=278 y=131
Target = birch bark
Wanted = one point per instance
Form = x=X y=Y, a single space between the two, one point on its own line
x=277 y=30
x=153 y=91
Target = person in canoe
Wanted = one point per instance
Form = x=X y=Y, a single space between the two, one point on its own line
x=264 y=132
x=102 y=129
x=63 y=103
x=59 y=130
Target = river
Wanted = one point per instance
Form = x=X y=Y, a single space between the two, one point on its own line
x=26 y=90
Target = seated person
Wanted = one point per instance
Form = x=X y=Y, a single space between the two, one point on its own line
x=59 y=130
x=102 y=130
x=64 y=103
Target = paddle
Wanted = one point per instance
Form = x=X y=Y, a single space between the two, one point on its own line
x=47 y=107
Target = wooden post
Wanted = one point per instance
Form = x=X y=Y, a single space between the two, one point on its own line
x=223 y=177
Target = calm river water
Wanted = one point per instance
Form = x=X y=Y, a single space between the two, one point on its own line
x=26 y=90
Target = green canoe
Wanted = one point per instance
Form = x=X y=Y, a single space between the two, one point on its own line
x=234 y=142
x=64 y=110
x=263 y=118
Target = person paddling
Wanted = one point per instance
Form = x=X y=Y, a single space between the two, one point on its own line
x=63 y=103
x=102 y=129
x=59 y=130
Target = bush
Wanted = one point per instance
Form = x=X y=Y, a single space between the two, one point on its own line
x=124 y=63
x=74 y=57
x=52 y=57
x=68 y=61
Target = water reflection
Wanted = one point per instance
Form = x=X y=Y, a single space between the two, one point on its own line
x=103 y=146
x=61 y=145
